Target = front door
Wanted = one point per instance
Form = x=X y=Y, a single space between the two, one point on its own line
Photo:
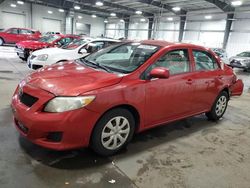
x=170 y=99
x=12 y=36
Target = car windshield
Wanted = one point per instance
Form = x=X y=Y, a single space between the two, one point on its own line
x=244 y=54
x=49 y=38
x=74 y=44
x=122 y=58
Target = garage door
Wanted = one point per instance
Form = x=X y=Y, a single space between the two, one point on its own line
x=51 y=25
x=13 y=20
x=82 y=28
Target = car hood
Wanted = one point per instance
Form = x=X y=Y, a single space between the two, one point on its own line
x=50 y=51
x=32 y=44
x=239 y=58
x=71 y=79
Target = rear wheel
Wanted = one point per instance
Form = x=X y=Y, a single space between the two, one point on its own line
x=113 y=132
x=1 y=42
x=219 y=107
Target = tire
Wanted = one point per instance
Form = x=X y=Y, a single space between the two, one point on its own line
x=219 y=107
x=245 y=70
x=108 y=138
x=1 y=41
x=23 y=59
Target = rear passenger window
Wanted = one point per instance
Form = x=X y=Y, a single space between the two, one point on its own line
x=204 y=60
x=25 y=31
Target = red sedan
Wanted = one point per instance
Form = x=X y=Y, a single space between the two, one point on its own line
x=25 y=48
x=14 y=35
x=103 y=99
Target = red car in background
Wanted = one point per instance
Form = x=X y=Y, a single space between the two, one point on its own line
x=25 y=48
x=104 y=98
x=14 y=35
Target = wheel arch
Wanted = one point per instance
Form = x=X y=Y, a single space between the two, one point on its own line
x=226 y=89
x=131 y=109
x=2 y=39
x=62 y=60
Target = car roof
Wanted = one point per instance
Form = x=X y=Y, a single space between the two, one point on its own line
x=64 y=35
x=163 y=43
x=105 y=39
x=23 y=28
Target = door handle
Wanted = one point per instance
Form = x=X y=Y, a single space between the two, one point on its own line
x=189 y=81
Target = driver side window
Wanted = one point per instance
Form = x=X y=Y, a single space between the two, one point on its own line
x=13 y=31
x=176 y=61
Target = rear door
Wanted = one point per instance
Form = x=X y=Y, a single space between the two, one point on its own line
x=208 y=78
x=25 y=34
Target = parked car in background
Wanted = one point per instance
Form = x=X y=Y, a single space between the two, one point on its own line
x=71 y=51
x=101 y=100
x=14 y=35
x=25 y=48
x=222 y=54
x=52 y=33
x=241 y=60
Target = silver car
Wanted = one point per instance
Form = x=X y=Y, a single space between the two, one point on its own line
x=241 y=60
x=222 y=54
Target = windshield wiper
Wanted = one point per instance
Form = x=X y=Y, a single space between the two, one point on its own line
x=97 y=65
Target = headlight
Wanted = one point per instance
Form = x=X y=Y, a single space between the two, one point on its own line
x=62 y=104
x=42 y=57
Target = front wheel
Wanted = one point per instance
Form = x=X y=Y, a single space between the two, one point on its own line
x=219 y=107
x=1 y=42
x=113 y=132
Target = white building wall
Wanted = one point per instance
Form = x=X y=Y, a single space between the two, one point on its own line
x=23 y=10
x=206 y=33
x=115 y=30
x=138 y=30
x=239 y=38
x=97 y=24
x=40 y=12
x=166 y=30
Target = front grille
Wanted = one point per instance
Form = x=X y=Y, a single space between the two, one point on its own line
x=35 y=67
x=235 y=62
x=27 y=99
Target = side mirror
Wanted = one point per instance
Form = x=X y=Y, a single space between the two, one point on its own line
x=159 y=72
x=92 y=48
x=82 y=51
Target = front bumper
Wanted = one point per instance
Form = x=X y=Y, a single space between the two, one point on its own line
x=237 y=88
x=32 y=64
x=35 y=64
x=73 y=127
x=22 y=53
x=238 y=64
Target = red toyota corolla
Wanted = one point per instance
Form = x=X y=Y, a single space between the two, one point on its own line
x=103 y=99
x=25 y=48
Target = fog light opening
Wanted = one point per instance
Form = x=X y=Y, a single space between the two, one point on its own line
x=54 y=136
